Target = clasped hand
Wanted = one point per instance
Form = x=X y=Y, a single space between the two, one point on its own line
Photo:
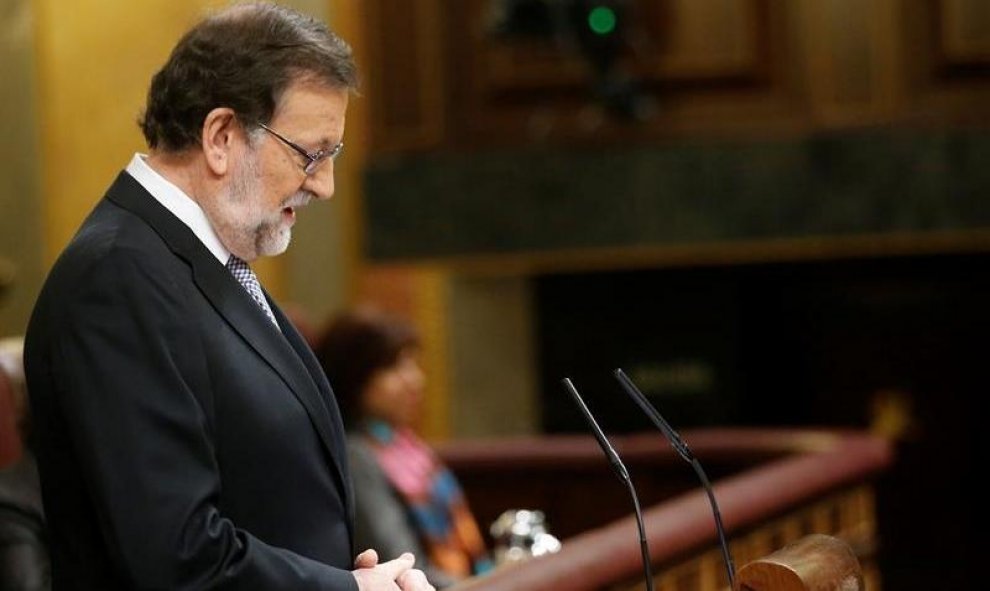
x=394 y=575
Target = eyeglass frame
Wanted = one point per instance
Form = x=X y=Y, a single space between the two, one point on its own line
x=314 y=158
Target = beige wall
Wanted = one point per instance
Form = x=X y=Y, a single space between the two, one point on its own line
x=94 y=61
x=493 y=388
x=20 y=207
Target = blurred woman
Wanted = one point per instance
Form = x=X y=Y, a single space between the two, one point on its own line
x=405 y=498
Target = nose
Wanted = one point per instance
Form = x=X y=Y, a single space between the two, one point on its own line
x=415 y=376
x=320 y=183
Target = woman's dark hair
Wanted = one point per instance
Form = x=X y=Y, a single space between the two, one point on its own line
x=242 y=58
x=354 y=346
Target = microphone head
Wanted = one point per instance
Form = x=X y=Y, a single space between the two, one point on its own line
x=610 y=453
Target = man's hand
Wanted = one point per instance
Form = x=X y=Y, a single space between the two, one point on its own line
x=394 y=575
x=366 y=559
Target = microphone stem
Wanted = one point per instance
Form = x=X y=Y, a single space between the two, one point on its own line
x=643 y=546
x=621 y=472
x=723 y=544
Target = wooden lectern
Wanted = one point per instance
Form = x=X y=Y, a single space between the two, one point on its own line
x=814 y=563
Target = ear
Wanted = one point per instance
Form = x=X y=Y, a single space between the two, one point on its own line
x=220 y=130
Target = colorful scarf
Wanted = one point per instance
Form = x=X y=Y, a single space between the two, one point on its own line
x=433 y=499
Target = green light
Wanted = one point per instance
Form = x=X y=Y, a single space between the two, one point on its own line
x=602 y=20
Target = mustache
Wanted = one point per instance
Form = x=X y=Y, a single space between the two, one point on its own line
x=298 y=199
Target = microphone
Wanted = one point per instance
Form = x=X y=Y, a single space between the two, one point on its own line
x=621 y=472
x=685 y=452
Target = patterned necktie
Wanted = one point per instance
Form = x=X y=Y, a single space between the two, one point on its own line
x=246 y=277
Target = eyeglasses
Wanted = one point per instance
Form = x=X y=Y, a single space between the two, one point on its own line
x=314 y=159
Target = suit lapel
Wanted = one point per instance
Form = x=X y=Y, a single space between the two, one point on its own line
x=233 y=302
x=305 y=354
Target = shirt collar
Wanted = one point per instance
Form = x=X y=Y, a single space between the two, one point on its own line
x=181 y=205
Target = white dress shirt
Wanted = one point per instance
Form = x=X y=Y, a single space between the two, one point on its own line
x=181 y=205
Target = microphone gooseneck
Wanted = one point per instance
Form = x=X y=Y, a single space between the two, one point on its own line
x=685 y=452
x=621 y=472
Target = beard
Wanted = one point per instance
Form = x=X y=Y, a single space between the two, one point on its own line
x=246 y=222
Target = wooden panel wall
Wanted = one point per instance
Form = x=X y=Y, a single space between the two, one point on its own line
x=946 y=49
x=405 y=74
x=443 y=77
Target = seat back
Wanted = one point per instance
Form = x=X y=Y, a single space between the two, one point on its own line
x=10 y=441
x=10 y=401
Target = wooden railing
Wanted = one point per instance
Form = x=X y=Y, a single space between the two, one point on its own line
x=10 y=442
x=773 y=488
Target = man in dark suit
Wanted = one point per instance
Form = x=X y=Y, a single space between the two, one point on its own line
x=187 y=438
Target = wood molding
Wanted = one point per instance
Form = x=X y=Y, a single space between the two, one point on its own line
x=812 y=248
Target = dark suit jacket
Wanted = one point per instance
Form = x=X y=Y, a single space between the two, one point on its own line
x=183 y=441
